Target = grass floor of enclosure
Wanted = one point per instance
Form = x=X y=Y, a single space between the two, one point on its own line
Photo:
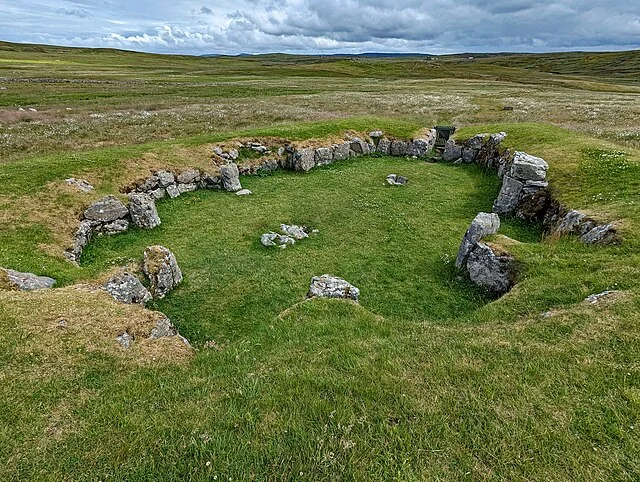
x=425 y=379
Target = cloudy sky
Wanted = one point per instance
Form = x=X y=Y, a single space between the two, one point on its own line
x=325 y=26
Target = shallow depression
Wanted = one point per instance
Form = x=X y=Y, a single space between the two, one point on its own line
x=396 y=243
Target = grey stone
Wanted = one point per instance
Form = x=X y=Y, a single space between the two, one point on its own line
x=498 y=138
x=395 y=180
x=360 y=147
x=293 y=231
x=114 y=227
x=476 y=142
x=172 y=191
x=81 y=184
x=324 y=155
x=594 y=299
x=452 y=151
x=80 y=239
x=383 y=147
x=158 y=194
x=270 y=165
x=142 y=209
x=233 y=154
x=341 y=151
x=603 y=235
x=162 y=269
x=525 y=167
x=149 y=184
x=469 y=154
x=244 y=192
x=24 y=281
x=230 y=177
x=376 y=134
x=183 y=188
x=327 y=286
x=398 y=148
x=304 y=160
x=208 y=181
x=126 y=340
x=509 y=196
x=165 y=178
x=107 y=209
x=275 y=239
x=419 y=148
x=126 y=288
x=574 y=222
x=492 y=271
x=484 y=224
x=534 y=201
x=165 y=329
x=189 y=176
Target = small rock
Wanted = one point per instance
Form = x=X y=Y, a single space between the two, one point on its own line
x=327 y=286
x=376 y=134
x=15 y=280
x=172 y=191
x=605 y=234
x=383 y=147
x=341 y=152
x=158 y=194
x=293 y=231
x=81 y=184
x=492 y=271
x=126 y=340
x=395 y=180
x=183 y=188
x=31 y=109
x=115 y=227
x=275 y=239
x=526 y=167
x=107 y=209
x=244 y=192
x=162 y=269
x=398 y=148
x=165 y=178
x=230 y=177
x=593 y=299
x=126 y=288
x=189 y=176
x=143 y=211
x=324 y=156
x=304 y=160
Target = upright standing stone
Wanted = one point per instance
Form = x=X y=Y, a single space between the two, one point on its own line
x=162 y=269
x=484 y=224
x=230 y=177
x=143 y=211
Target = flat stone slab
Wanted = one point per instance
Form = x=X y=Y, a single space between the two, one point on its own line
x=107 y=209
x=24 y=281
x=328 y=286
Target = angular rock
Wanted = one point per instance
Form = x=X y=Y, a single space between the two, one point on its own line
x=341 y=152
x=398 y=148
x=383 y=147
x=149 y=184
x=275 y=239
x=189 y=176
x=162 y=269
x=359 y=147
x=509 y=196
x=115 y=227
x=208 y=181
x=80 y=239
x=574 y=222
x=395 y=180
x=603 y=235
x=15 y=280
x=183 y=188
x=498 y=137
x=142 y=209
x=491 y=270
x=158 y=193
x=534 y=200
x=165 y=178
x=419 y=148
x=327 y=286
x=304 y=160
x=484 y=224
x=81 y=184
x=126 y=288
x=172 y=191
x=230 y=177
x=270 y=165
x=476 y=142
x=469 y=154
x=107 y=209
x=293 y=231
x=525 y=167
x=125 y=339
x=452 y=151
x=376 y=135
x=165 y=329
x=324 y=155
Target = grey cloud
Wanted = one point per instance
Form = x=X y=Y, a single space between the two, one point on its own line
x=302 y=26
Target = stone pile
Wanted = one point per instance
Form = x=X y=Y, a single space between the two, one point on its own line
x=395 y=180
x=288 y=236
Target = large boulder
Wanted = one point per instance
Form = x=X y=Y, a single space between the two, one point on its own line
x=304 y=160
x=327 y=286
x=509 y=196
x=142 y=209
x=162 y=269
x=341 y=151
x=491 y=269
x=15 y=280
x=484 y=224
x=230 y=177
x=105 y=210
x=526 y=167
x=452 y=151
x=126 y=288
x=603 y=235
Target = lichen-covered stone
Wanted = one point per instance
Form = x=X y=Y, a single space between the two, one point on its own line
x=509 y=196
x=484 y=224
x=230 y=177
x=162 y=269
x=15 y=280
x=526 y=167
x=398 y=148
x=165 y=178
x=304 y=160
x=452 y=151
x=142 y=209
x=492 y=270
x=383 y=147
x=324 y=155
x=603 y=235
x=190 y=176
x=327 y=286
x=341 y=152
x=107 y=209
x=126 y=288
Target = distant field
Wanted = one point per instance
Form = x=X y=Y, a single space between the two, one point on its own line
x=428 y=378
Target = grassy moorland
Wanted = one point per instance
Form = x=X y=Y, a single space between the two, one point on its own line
x=426 y=379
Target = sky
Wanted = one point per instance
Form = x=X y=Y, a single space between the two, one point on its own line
x=325 y=26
